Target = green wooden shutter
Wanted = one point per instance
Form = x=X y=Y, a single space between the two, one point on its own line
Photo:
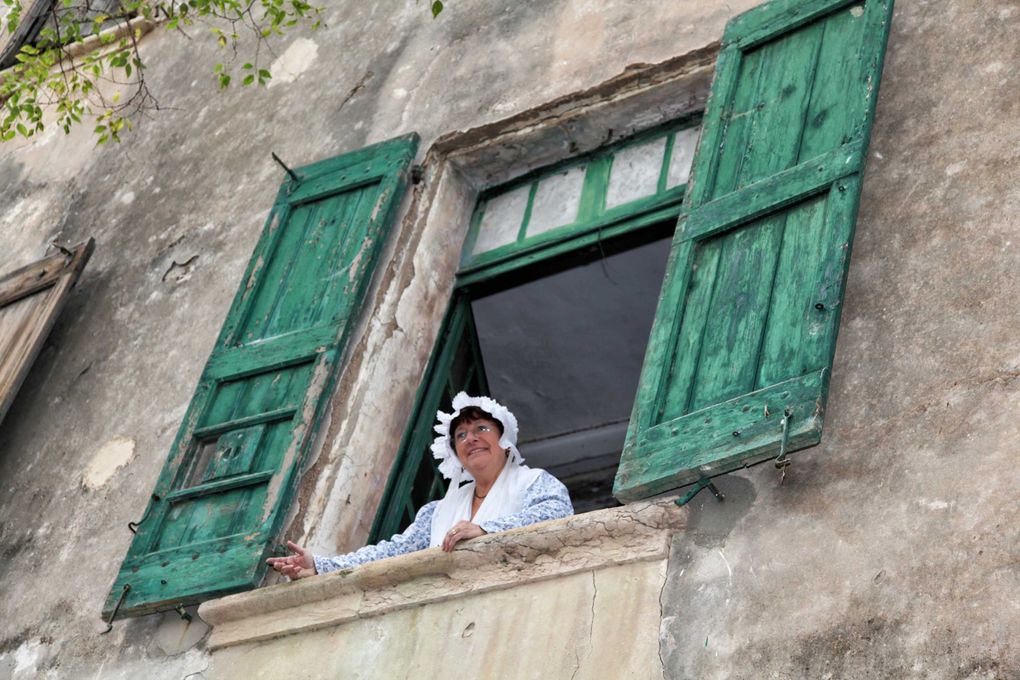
x=748 y=315
x=221 y=498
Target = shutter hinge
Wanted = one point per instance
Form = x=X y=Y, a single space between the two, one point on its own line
x=703 y=483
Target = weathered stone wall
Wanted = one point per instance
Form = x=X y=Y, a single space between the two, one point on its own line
x=890 y=551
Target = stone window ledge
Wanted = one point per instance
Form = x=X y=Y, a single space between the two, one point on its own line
x=605 y=538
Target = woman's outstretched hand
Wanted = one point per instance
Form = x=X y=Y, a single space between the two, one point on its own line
x=299 y=565
x=461 y=531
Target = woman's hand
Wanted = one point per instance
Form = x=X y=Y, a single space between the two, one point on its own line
x=299 y=565
x=461 y=531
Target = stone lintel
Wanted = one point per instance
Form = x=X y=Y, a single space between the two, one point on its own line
x=604 y=538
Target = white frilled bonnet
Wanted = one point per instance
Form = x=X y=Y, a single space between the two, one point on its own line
x=442 y=446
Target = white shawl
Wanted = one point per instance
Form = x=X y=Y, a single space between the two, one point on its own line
x=506 y=497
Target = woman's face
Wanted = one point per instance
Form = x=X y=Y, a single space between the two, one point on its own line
x=478 y=449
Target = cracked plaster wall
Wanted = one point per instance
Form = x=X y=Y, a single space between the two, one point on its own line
x=893 y=548
x=889 y=552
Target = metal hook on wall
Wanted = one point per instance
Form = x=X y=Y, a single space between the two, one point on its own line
x=116 y=608
x=293 y=175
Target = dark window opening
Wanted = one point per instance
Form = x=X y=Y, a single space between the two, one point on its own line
x=564 y=351
x=561 y=343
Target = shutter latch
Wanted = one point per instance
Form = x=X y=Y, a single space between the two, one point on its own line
x=116 y=608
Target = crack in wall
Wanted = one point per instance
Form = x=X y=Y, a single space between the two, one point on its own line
x=591 y=627
x=662 y=618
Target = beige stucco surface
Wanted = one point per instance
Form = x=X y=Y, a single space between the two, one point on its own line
x=576 y=597
x=569 y=627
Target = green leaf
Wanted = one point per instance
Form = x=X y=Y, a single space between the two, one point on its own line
x=437 y=7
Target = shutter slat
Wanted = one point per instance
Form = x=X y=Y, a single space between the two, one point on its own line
x=772 y=193
x=702 y=443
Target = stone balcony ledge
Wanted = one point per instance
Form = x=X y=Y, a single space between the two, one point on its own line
x=595 y=540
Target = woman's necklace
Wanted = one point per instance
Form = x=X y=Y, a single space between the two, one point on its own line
x=479 y=497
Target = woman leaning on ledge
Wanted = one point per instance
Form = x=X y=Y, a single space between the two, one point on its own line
x=477 y=444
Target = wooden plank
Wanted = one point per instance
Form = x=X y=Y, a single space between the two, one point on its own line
x=682 y=450
x=268 y=355
x=877 y=24
x=773 y=193
x=325 y=187
x=351 y=169
x=526 y=217
x=667 y=155
x=219 y=485
x=355 y=254
x=735 y=125
x=285 y=413
x=593 y=193
x=659 y=353
x=829 y=120
x=33 y=297
x=31 y=278
x=272 y=281
x=736 y=318
x=777 y=123
x=232 y=332
x=794 y=339
x=718 y=117
x=188 y=575
x=777 y=18
x=680 y=365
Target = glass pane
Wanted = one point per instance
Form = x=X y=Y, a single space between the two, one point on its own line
x=502 y=219
x=635 y=172
x=556 y=200
x=683 y=153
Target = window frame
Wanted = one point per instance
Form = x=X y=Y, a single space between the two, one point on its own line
x=532 y=259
